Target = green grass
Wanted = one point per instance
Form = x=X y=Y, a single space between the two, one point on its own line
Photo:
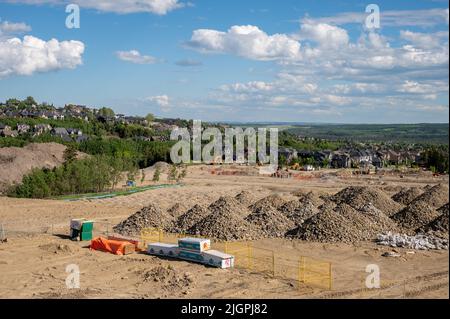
x=129 y=191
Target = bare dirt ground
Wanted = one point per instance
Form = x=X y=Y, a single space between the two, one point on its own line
x=34 y=260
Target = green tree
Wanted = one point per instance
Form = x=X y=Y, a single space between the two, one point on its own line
x=156 y=175
x=70 y=154
x=150 y=117
x=172 y=173
x=106 y=112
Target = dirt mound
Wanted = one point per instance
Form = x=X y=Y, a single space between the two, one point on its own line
x=229 y=205
x=56 y=248
x=407 y=195
x=272 y=222
x=150 y=216
x=299 y=210
x=392 y=189
x=190 y=218
x=357 y=196
x=274 y=201
x=415 y=215
x=440 y=224
x=177 y=210
x=168 y=279
x=245 y=198
x=226 y=222
x=15 y=162
x=327 y=226
x=435 y=196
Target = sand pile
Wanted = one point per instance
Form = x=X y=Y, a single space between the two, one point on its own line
x=435 y=196
x=245 y=198
x=274 y=201
x=190 y=218
x=169 y=279
x=357 y=196
x=272 y=222
x=415 y=215
x=150 y=216
x=378 y=221
x=407 y=195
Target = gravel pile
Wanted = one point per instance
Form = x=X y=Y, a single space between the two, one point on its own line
x=440 y=224
x=245 y=198
x=272 y=222
x=177 y=210
x=378 y=221
x=407 y=195
x=435 y=196
x=225 y=222
x=327 y=226
x=299 y=210
x=422 y=242
x=190 y=218
x=229 y=205
x=149 y=216
x=274 y=201
x=415 y=215
x=357 y=196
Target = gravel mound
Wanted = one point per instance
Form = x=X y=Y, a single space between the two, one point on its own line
x=149 y=216
x=272 y=222
x=177 y=210
x=357 y=196
x=274 y=201
x=226 y=222
x=229 y=205
x=190 y=218
x=407 y=195
x=435 y=196
x=299 y=210
x=245 y=198
x=440 y=224
x=326 y=226
x=415 y=215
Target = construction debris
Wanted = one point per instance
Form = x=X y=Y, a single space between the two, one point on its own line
x=415 y=215
x=272 y=222
x=150 y=216
x=419 y=242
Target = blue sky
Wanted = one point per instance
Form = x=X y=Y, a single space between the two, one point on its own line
x=302 y=61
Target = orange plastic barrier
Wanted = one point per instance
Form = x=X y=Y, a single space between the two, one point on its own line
x=112 y=246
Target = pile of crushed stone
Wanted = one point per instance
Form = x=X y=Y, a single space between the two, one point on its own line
x=407 y=195
x=149 y=216
x=177 y=210
x=439 y=226
x=271 y=222
x=274 y=201
x=190 y=218
x=299 y=210
x=226 y=222
x=421 y=242
x=415 y=215
x=169 y=279
x=357 y=196
x=435 y=196
x=245 y=197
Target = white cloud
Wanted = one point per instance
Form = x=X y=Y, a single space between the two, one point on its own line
x=325 y=35
x=247 y=41
x=9 y=28
x=160 y=100
x=421 y=18
x=31 y=55
x=159 y=7
x=424 y=40
x=135 y=56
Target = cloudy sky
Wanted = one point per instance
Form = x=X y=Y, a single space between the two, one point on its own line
x=252 y=60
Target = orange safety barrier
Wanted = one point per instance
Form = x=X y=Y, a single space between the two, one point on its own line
x=112 y=246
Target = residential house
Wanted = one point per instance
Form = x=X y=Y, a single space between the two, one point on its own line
x=74 y=131
x=60 y=131
x=23 y=128
x=41 y=128
x=340 y=159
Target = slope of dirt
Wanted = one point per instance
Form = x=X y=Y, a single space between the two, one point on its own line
x=415 y=215
x=190 y=218
x=406 y=196
x=435 y=196
x=15 y=162
x=271 y=222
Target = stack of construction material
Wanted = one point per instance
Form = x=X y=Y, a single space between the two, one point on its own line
x=81 y=229
x=193 y=249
